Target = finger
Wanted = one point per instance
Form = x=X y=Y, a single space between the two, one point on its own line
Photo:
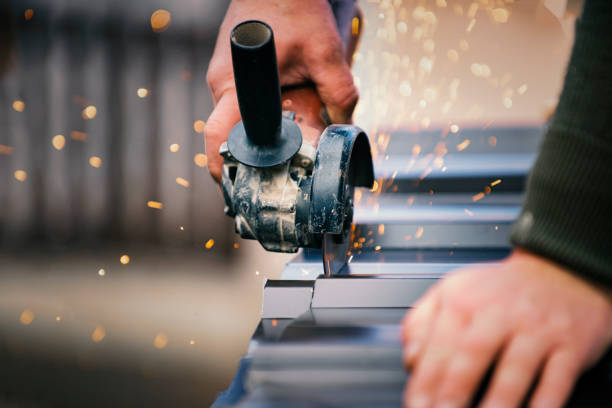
x=418 y=323
x=476 y=351
x=433 y=362
x=516 y=371
x=334 y=81
x=225 y=115
x=557 y=380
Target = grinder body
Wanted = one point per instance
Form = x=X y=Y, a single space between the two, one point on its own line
x=283 y=191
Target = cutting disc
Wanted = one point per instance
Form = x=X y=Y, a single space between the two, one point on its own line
x=335 y=246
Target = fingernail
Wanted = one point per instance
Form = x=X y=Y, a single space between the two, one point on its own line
x=418 y=401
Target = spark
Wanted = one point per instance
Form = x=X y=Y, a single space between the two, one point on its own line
x=29 y=13
x=58 y=318
x=374 y=186
x=174 y=147
x=200 y=159
x=405 y=88
x=416 y=150
x=182 y=228
x=98 y=334
x=160 y=20
x=95 y=161
x=155 y=204
x=257 y=273
x=199 y=126
x=492 y=141
x=89 y=112
x=419 y=232
x=468 y=212
x=125 y=259
x=102 y=272
x=210 y=243
x=181 y=181
x=471 y=25
x=496 y=228
x=522 y=89
x=27 y=316
x=478 y=196
x=355 y=26
x=7 y=150
x=487 y=190
x=496 y=182
x=18 y=105
x=274 y=322
x=236 y=245
x=77 y=135
x=507 y=102
x=160 y=341
x=142 y=92
x=464 y=45
x=454 y=128
x=461 y=146
x=58 y=142
x=500 y=15
x=192 y=342
x=20 y=175
x=381 y=229
x=377 y=248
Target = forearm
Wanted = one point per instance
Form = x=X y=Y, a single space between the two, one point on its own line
x=567 y=214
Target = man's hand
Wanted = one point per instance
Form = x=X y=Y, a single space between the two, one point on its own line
x=529 y=315
x=308 y=49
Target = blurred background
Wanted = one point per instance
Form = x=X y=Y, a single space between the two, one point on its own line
x=121 y=281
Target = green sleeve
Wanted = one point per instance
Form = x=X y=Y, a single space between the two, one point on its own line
x=567 y=213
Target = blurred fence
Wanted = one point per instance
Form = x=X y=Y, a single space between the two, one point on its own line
x=71 y=174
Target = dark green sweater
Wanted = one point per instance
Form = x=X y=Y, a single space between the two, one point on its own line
x=567 y=213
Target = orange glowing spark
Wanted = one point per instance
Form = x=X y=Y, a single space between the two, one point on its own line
x=425 y=173
x=181 y=181
x=377 y=248
x=274 y=322
x=58 y=318
x=496 y=182
x=95 y=161
x=142 y=92
x=471 y=25
x=440 y=149
x=200 y=159
x=236 y=245
x=174 y=147
x=6 y=150
x=454 y=128
x=381 y=229
x=98 y=334
x=89 y=112
x=160 y=341
x=496 y=228
x=160 y=20
x=192 y=342
x=27 y=316
x=101 y=272
x=492 y=141
x=58 y=142
x=155 y=204
x=416 y=150
x=29 y=13
x=461 y=146
x=20 y=175
x=77 y=135
x=125 y=259
x=468 y=212
x=419 y=232
x=355 y=26
x=210 y=243
x=19 y=106
x=478 y=196
x=374 y=186
x=199 y=126
x=487 y=190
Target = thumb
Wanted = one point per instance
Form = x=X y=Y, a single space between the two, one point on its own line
x=222 y=119
x=334 y=81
